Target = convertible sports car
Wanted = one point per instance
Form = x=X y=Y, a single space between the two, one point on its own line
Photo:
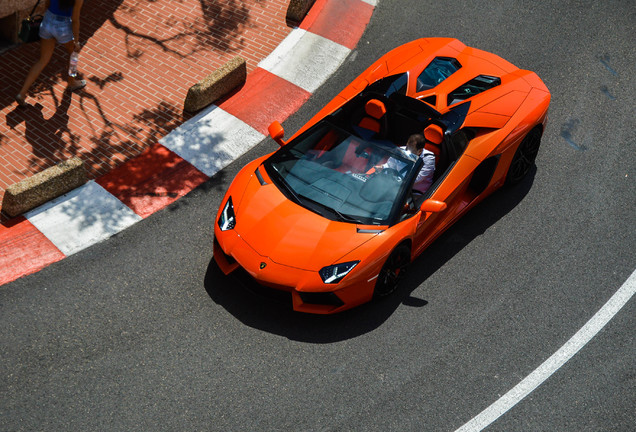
x=331 y=219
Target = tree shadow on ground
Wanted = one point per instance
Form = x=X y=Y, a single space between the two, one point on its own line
x=238 y=294
x=153 y=181
x=113 y=141
x=218 y=28
x=60 y=142
x=20 y=57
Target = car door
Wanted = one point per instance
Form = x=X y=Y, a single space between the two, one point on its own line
x=452 y=188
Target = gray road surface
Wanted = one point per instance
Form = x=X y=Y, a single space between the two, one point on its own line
x=141 y=333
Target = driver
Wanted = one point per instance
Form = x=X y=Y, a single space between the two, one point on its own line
x=415 y=148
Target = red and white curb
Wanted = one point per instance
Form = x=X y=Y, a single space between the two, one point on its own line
x=191 y=153
x=305 y=59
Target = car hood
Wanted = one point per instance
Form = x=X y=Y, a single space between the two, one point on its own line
x=289 y=234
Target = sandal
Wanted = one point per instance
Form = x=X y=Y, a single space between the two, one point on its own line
x=20 y=100
x=80 y=85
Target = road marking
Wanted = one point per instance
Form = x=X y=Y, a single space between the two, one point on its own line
x=558 y=359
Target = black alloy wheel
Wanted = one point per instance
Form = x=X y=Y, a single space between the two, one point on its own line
x=524 y=157
x=393 y=271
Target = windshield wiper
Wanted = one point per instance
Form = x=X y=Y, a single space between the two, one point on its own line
x=287 y=154
x=343 y=217
x=281 y=182
x=299 y=199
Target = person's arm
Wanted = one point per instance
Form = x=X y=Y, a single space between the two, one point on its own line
x=76 y=22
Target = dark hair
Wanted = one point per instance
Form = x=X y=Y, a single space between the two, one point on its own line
x=67 y=4
x=418 y=140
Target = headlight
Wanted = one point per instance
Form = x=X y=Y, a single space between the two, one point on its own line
x=334 y=273
x=227 y=220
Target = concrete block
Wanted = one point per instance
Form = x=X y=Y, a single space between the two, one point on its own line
x=297 y=9
x=43 y=186
x=216 y=85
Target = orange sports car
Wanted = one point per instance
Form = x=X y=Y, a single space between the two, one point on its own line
x=334 y=217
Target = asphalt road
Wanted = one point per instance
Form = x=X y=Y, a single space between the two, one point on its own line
x=141 y=333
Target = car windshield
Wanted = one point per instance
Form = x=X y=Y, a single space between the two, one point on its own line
x=343 y=176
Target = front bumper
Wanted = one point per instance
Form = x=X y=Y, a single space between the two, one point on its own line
x=309 y=294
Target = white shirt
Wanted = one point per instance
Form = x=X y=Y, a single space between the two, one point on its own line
x=425 y=176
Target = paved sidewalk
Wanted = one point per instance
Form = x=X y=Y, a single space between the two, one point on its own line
x=174 y=153
x=139 y=59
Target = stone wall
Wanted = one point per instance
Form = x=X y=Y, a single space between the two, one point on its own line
x=12 y=12
x=8 y=7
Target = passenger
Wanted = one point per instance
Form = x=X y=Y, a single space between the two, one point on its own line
x=415 y=145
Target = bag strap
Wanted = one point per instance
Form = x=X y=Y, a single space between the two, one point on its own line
x=34 y=7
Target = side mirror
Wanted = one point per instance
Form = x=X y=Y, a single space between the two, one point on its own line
x=277 y=132
x=433 y=206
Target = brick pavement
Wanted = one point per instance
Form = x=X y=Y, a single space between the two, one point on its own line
x=139 y=59
x=190 y=153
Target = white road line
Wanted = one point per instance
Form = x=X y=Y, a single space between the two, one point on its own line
x=558 y=359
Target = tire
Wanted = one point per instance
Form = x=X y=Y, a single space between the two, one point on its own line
x=393 y=271
x=524 y=157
